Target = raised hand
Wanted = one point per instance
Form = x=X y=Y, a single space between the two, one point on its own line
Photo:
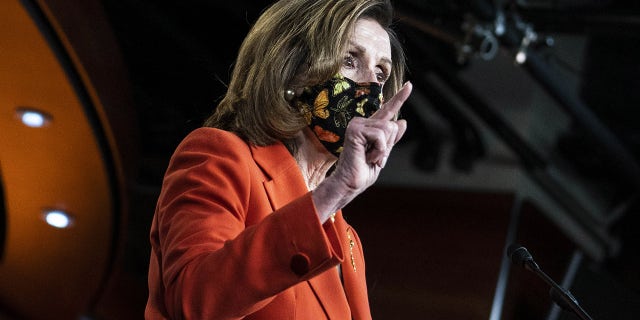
x=368 y=144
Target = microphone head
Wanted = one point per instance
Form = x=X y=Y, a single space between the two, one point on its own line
x=518 y=254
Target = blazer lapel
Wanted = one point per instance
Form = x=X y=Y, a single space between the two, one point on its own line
x=328 y=287
x=330 y=293
x=284 y=183
x=353 y=271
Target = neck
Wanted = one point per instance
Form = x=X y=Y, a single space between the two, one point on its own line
x=313 y=159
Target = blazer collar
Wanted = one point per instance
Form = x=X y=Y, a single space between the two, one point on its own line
x=274 y=160
x=283 y=179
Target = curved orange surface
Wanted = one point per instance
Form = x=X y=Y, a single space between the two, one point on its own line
x=48 y=273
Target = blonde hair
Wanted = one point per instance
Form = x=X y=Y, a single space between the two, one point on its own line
x=294 y=37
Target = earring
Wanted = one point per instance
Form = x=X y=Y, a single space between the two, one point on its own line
x=289 y=94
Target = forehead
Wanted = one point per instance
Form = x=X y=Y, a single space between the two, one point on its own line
x=370 y=35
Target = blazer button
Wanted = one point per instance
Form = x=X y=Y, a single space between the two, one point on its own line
x=300 y=264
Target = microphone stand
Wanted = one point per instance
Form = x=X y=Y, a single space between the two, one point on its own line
x=561 y=296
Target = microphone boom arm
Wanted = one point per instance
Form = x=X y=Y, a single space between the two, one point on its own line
x=561 y=296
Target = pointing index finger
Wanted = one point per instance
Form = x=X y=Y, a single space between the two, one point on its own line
x=391 y=108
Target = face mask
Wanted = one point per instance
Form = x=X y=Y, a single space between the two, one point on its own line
x=330 y=106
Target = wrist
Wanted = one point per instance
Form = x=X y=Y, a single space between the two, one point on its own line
x=329 y=197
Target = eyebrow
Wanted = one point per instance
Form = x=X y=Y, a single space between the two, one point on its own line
x=362 y=49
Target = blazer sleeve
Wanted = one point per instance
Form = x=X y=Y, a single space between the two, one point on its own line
x=211 y=264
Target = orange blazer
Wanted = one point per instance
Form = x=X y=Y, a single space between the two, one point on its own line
x=235 y=235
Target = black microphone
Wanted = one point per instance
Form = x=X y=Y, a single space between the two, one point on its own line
x=520 y=256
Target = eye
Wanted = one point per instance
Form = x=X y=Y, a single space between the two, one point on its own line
x=350 y=61
x=382 y=75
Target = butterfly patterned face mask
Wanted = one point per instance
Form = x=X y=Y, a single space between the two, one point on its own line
x=330 y=106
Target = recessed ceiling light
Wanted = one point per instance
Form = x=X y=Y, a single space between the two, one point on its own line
x=33 y=118
x=58 y=219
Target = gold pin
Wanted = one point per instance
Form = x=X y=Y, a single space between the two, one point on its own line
x=351 y=245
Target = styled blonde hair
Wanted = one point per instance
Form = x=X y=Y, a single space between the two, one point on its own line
x=290 y=38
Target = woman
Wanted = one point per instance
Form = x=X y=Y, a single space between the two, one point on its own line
x=248 y=223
